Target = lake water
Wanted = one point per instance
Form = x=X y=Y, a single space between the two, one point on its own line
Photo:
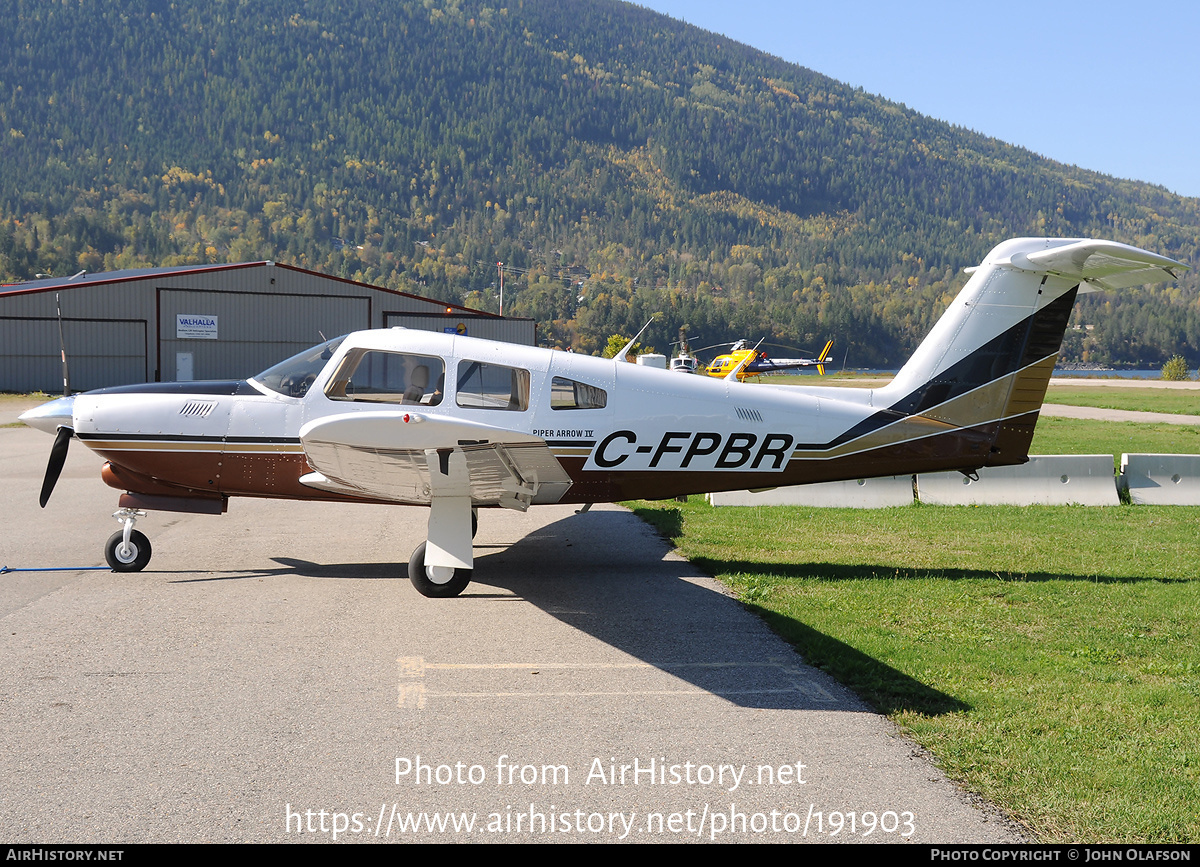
x=1073 y=374
x=1114 y=374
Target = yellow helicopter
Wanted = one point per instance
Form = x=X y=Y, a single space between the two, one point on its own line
x=742 y=361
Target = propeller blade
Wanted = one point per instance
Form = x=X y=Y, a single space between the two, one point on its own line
x=58 y=457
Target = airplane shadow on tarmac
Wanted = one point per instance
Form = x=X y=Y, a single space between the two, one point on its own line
x=607 y=574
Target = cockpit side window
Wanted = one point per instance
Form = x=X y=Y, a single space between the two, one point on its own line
x=293 y=376
x=375 y=376
x=569 y=394
x=492 y=386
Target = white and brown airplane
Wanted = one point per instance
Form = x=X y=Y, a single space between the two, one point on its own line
x=455 y=423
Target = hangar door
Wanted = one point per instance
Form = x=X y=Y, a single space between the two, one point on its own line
x=233 y=335
x=100 y=353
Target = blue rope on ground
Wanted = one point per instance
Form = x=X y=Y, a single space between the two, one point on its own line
x=4 y=569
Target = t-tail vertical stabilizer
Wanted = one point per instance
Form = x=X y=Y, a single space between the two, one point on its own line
x=987 y=362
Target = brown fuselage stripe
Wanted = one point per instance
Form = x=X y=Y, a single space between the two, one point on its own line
x=214 y=446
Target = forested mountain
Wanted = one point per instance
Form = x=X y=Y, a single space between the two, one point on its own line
x=619 y=162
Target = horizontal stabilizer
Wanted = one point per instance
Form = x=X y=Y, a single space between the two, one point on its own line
x=1103 y=264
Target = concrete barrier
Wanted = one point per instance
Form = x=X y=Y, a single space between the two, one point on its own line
x=1046 y=480
x=858 y=494
x=1161 y=480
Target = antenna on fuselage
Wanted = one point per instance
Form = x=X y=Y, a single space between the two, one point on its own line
x=737 y=368
x=623 y=355
x=326 y=354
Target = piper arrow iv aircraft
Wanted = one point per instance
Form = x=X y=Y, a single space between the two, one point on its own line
x=455 y=423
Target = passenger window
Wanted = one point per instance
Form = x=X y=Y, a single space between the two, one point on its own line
x=569 y=394
x=373 y=376
x=492 y=386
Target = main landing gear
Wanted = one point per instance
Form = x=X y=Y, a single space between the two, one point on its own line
x=436 y=582
x=127 y=550
x=439 y=582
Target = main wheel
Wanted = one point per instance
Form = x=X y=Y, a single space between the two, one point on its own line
x=436 y=582
x=131 y=559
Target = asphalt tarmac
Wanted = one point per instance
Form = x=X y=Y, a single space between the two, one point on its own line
x=272 y=677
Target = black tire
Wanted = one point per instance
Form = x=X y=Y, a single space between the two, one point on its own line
x=133 y=561
x=426 y=586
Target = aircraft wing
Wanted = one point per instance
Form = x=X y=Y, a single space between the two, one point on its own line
x=387 y=455
x=1104 y=264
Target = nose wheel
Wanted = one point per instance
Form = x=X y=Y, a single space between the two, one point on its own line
x=131 y=556
x=127 y=550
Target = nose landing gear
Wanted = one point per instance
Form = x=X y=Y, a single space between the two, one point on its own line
x=127 y=550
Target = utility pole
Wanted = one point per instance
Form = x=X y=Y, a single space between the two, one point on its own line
x=500 y=268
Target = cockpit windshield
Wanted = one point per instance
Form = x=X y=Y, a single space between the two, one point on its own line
x=293 y=377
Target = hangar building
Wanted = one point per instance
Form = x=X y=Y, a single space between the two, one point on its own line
x=202 y=322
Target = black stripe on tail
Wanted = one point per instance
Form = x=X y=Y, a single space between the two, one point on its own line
x=1030 y=340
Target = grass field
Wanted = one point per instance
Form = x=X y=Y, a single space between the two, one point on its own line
x=1048 y=656
x=13 y=404
x=1150 y=399
x=1071 y=436
x=13 y=400
x=1147 y=399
